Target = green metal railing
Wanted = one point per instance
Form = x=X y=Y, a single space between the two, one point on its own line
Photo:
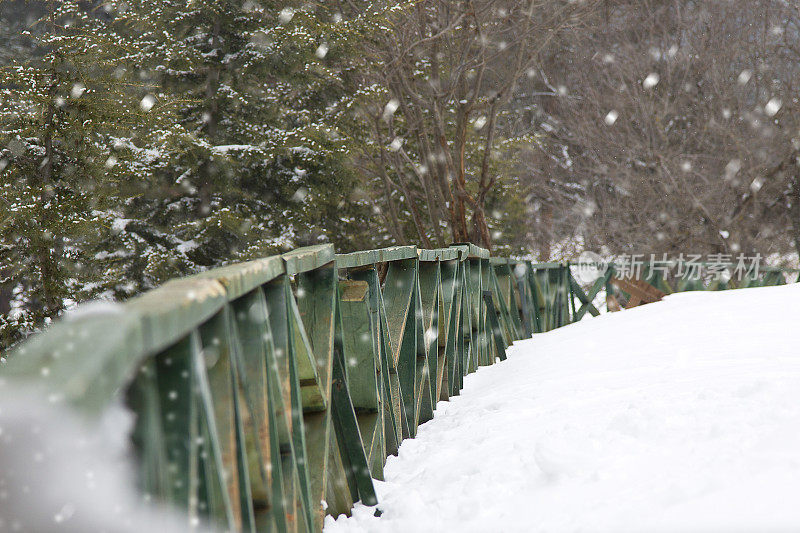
x=262 y=389
x=701 y=276
x=265 y=388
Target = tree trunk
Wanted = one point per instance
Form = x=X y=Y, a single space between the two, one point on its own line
x=547 y=231
x=794 y=209
x=394 y=221
x=481 y=235
x=460 y=222
x=51 y=303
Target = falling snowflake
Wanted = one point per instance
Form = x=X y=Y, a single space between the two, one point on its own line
x=286 y=15
x=651 y=80
x=773 y=106
x=390 y=109
x=147 y=103
x=745 y=76
x=396 y=144
x=77 y=90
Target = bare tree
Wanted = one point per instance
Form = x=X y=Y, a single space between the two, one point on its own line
x=680 y=125
x=446 y=75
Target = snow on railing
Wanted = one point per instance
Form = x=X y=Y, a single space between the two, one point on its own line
x=263 y=395
x=266 y=394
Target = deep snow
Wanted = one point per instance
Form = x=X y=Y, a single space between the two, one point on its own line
x=63 y=473
x=682 y=415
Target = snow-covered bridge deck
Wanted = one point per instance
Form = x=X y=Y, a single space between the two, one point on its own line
x=682 y=415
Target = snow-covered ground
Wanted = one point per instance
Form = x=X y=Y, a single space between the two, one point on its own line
x=682 y=415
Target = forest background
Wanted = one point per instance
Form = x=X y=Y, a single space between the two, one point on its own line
x=145 y=140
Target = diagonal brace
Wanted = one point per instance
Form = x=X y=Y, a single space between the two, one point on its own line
x=586 y=299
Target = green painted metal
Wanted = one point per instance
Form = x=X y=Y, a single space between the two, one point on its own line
x=586 y=302
x=497 y=335
x=587 y=299
x=262 y=389
x=265 y=388
x=653 y=272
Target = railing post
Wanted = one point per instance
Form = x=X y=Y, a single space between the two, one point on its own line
x=495 y=325
x=526 y=314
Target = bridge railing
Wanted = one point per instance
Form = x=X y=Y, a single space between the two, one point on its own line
x=668 y=277
x=265 y=388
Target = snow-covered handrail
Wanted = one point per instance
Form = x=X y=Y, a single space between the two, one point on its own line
x=263 y=389
x=269 y=393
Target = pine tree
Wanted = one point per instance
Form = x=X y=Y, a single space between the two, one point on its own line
x=146 y=140
x=261 y=170
x=62 y=106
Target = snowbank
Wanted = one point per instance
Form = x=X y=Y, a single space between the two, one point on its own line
x=62 y=473
x=682 y=415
